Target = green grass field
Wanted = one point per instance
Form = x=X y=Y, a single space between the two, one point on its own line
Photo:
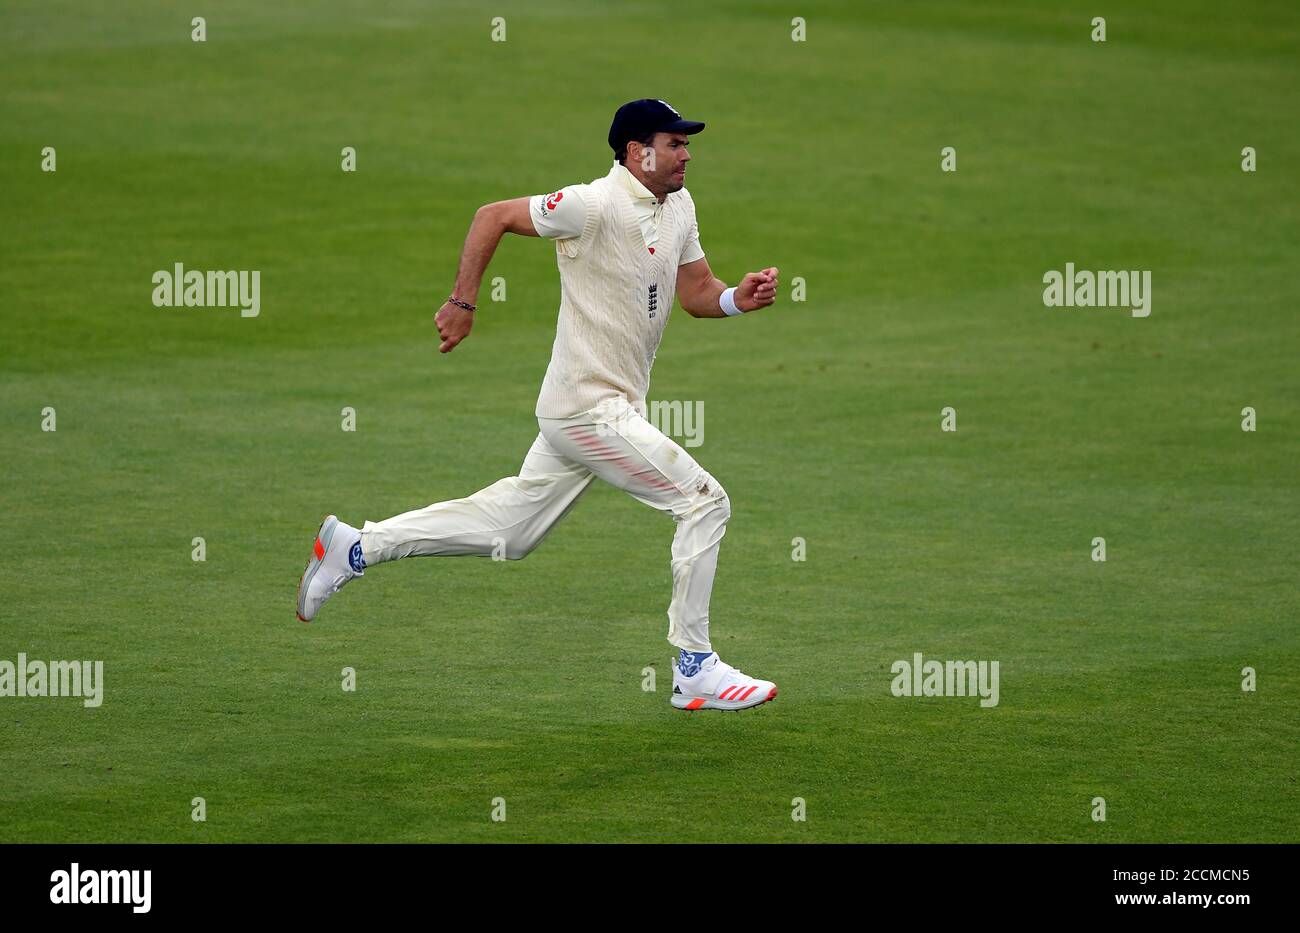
x=478 y=679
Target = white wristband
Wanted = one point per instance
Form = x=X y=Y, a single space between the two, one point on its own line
x=727 y=302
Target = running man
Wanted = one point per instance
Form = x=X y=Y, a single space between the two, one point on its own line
x=625 y=244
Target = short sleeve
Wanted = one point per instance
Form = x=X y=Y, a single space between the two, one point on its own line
x=561 y=214
x=691 y=249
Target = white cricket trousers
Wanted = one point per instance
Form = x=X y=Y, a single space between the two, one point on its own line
x=512 y=516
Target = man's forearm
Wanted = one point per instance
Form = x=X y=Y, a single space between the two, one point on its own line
x=704 y=303
x=481 y=241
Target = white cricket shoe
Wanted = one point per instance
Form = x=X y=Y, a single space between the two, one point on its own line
x=718 y=686
x=329 y=567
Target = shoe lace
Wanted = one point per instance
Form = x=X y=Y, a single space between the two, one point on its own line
x=733 y=673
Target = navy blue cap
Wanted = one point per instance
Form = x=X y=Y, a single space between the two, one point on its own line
x=641 y=118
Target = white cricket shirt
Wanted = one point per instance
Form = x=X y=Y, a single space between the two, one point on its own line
x=617 y=249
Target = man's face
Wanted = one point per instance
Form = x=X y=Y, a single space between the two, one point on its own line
x=661 y=166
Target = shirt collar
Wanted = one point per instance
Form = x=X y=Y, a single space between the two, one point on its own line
x=631 y=184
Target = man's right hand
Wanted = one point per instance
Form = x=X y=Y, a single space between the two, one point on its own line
x=454 y=324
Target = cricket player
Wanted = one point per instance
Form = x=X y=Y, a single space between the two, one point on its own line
x=625 y=244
